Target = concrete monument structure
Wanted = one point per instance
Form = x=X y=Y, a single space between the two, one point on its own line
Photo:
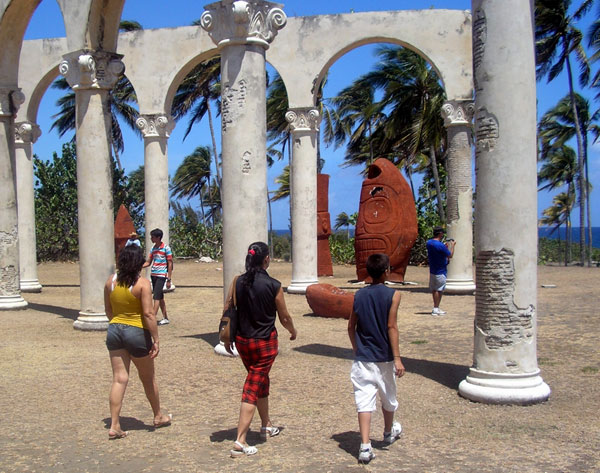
x=93 y=55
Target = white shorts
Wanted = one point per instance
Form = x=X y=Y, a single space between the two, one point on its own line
x=368 y=378
x=437 y=282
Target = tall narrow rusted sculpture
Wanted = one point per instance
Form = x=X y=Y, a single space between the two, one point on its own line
x=124 y=227
x=387 y=220
x=324 y=266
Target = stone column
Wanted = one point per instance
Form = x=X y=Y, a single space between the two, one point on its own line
x=26 y=134
x=459 y=207
x=304 y=124
x=10 y=295
x=156 y=130
x=243 y=31
x=92 y=74
x=504 y=361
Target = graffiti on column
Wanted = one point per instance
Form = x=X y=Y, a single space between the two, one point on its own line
x=233 y=101
x=479 y=38
x=246 y=165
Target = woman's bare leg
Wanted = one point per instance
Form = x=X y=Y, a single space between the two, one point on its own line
x=145 y=367
x=246 y=415
x=262 y=405
x=119 y=360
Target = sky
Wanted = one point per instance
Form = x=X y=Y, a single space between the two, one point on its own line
x=345 y=182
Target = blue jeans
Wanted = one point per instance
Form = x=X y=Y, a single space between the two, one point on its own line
x=137 y=341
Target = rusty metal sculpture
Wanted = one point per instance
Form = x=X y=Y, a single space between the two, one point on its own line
x=326 y=300
x=124 y=227
x=387 y=220
x=324 y=265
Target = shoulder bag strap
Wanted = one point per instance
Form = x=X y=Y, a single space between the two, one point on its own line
x=234 y=291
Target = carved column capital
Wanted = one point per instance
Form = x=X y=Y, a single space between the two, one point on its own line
x=303 y=119
x=458 y=112
x=243 y=22
x=158 y=125
x=27 y=132
x=87 y=69
x=10 y=101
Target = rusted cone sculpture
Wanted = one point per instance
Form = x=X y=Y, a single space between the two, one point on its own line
x=324 y=266
x=387 y=220
x=326 y=300
x=124 y=227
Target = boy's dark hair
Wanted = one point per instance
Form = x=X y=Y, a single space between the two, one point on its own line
x=377 y=264
x=157 y=232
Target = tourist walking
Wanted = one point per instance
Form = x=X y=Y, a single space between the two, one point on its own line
x=259 y=299
x=161 y=259
x=373 y=333
x=132 y=336
x=438 y=254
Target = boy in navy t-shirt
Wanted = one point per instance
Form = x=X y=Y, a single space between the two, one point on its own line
x=373 y=332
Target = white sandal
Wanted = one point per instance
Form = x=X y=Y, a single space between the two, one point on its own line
x=244 y=450
x=266 y=432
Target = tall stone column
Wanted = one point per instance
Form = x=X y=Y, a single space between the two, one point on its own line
x=504 y=362
x=156 y=130
x=243 y=30
x=26 y=134
x=10 y=295
x=92 y=74
x=459 y=208
x=304 y=124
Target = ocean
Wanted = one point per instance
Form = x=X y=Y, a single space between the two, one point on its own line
x=544 y=232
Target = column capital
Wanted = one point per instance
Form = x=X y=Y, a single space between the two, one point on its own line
x=27 y=132
x=231 y=22
x=11 y=98
x=458 y=112
x=156 y=125
x=303 y=119
x=85 y=69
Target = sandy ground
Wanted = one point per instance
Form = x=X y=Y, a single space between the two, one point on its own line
x=55 y=381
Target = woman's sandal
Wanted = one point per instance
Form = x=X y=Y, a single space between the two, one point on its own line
x=242 y=450
x=164 y=423
x=114 y=435
x=266 y=432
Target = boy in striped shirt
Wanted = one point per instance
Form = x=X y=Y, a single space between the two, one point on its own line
x=161 y=259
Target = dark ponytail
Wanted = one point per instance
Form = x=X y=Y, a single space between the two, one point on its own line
x=257 y=252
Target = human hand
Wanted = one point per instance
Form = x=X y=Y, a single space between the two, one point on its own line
x=168 y=283
x=399 y=367
x=154 y=350
x=293 y=334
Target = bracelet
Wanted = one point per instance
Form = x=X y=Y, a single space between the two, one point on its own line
x=169 y=279
x=397 y=357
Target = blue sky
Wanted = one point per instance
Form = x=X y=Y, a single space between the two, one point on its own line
x=345 y=183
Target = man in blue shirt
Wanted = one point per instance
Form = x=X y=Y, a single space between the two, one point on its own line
x=439 y=255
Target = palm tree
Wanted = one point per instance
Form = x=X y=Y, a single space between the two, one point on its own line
x=556 y=127
x=278 y=129
x=560 y=214
x=556 y=38
x=343 y=220
x=121 y=102
x=192 y=175
x=284 y=185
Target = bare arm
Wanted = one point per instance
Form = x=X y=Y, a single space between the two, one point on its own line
x=169 y=271
x=352 y=330
x=451 y=245
x=148 y=261
x=148 y=314
x=107 y=305
x=393 y=334
x=284 y=316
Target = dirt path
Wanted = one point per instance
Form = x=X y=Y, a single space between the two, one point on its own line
x=55 y=380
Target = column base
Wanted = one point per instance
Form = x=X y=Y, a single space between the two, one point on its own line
x=460 y=286
x=504 y=388
x=91 y=322
x=30 y=285
x=12 y=302
x=299 y=287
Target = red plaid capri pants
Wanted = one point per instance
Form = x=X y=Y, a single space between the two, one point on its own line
x=258 y=355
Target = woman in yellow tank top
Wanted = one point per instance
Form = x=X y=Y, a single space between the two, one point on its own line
x=132 y=336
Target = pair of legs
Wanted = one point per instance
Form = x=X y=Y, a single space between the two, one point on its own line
x=247 y=414
x=158 y=296
x=160 y=304
x=120 y=361
x=364 y=424
x=437 y=298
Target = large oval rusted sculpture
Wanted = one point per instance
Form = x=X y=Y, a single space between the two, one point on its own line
x=387 y=220
x=326 y=300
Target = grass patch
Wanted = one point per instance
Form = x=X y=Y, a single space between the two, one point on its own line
x=418 y=342
x=589 y=370
x=545 y=361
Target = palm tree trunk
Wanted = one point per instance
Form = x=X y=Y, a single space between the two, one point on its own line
x=270 y=242
x=370 y=143
x=214 y=143
x=202 y=207
x=587 y=201
x=117 y=157
x=580 y=166
x=436 y=182
x=408 y=171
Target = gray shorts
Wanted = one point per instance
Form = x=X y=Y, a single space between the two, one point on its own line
x=437 y=282
x=158 y=287
x=137 y=341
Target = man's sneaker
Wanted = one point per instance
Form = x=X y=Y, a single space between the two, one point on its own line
x=163 y=322
x=437 y=311
x=391 y=437
x=365 y=455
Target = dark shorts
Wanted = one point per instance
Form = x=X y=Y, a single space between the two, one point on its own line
x=158 y=287
x=137 y=341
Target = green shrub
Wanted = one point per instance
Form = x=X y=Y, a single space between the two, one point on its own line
x=342 y=249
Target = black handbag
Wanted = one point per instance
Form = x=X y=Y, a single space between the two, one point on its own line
x=228 y=323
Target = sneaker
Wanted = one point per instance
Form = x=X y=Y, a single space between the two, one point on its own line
x=163 y=322
x=365 y=455
x=437 y=311
x=391 y=437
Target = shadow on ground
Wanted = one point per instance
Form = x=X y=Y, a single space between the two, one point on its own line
x=129 y=423
x=212 y=338
x=62 y=311
x=447 y=374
